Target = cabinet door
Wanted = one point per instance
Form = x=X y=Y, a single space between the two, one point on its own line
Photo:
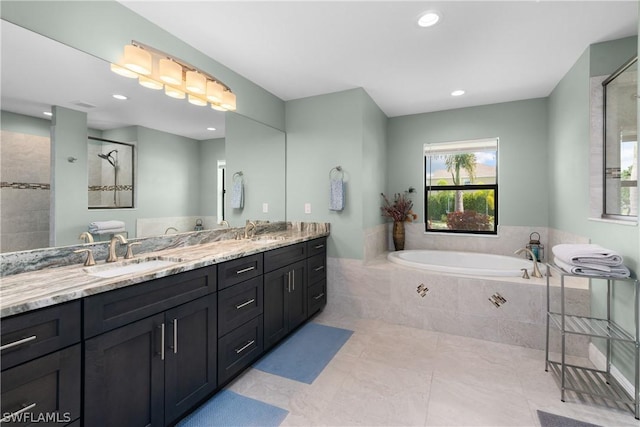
x=297 y=295
x=44 y=391
x=124 y=376
x=190 y=363
x=276 y=285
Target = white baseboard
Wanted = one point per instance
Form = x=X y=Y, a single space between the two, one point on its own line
x=599 y=360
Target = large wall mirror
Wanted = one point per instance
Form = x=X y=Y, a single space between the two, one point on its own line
x=182 y=152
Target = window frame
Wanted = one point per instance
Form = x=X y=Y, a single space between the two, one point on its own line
x=429 y=188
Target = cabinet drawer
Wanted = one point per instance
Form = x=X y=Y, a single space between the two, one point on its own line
x=283 y=256
x=317 y=269
x=238 y=304
x=49 y=386
x=239 y=349
x=317 y=246
x=317 y=297
x=109 y=310
x=239 y=270
x=36 y=333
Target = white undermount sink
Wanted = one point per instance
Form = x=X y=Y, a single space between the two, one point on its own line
x=268 y=239
x=132 y=266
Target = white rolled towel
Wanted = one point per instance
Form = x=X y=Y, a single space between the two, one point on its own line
x=587 y=255
x=594 y=270
x=106 y=226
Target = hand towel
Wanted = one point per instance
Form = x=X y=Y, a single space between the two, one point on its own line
x=237 y=195
x=583 y=254
x=619 y=272
x=98 y=226
x=336 y=202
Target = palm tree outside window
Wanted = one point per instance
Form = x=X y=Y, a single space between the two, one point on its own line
x=461 y=186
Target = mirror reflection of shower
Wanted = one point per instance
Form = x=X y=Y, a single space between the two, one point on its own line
x=110 y=172
x=113 y=160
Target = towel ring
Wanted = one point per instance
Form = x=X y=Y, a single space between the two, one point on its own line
x=338 y=169
x=237 y=174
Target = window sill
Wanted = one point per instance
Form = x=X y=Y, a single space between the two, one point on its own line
x=614 y=221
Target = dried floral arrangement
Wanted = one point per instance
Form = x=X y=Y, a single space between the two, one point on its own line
x=401 y=208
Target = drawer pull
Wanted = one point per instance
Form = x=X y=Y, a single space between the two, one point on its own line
x=244 y=270
x=162 y=341
x=244 y=304
x=244 y=347
x=175 y=336
x=17 y=343
x=319 y=268
x=12 y=416
x=318 y=296
x=318 y=246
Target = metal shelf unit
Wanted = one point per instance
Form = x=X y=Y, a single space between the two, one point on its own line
x=594 y=382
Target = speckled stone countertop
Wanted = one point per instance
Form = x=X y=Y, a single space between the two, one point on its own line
x=42 y=288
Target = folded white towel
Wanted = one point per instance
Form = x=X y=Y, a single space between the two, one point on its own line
x=619 y=272
x=237 y=195
x=96 y=226
x=586 y=254
x=336 y=202
x=109 y=231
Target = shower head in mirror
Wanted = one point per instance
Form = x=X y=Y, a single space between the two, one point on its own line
x=109 y=157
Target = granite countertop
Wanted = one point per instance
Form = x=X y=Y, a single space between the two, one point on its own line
x=36 y=289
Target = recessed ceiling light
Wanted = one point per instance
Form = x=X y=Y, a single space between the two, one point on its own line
x=211 y=128
x=429 y=18
x=120 y=97
x=458 y=92
x=47 y=113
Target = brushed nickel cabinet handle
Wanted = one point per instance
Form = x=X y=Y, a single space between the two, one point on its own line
x=244 y=270
x=12 y=416
x=244 y=304
x=162 y=341
x=319 y=268
x=318 y=246
x=17 y=343
x=175 y=336
x=319 y=296
x=244 y=347
x=289 y=281
x=293 y=281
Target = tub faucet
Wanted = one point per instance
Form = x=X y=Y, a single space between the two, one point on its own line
x=169 y=229
x=112 y=247
x=536 y=270
x=86 y=236
x=225 y=222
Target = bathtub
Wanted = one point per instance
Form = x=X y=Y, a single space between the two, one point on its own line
x=467 y=263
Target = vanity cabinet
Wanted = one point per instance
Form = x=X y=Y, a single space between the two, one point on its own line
x=151 y=350
x=317 y=275
x=41 y=362
x=240 y=309
x=284 y=292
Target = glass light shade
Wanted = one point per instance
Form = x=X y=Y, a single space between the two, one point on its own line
x=124 y=72
x=150 y=83
x=218 y=107
x=196 y=82
x=174 y=93
x=197 y=101
x=214 y=91
x=170 y=71
x=229 y=101
x=137 y=59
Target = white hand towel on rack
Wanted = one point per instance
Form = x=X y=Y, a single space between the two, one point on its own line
x=336 y=202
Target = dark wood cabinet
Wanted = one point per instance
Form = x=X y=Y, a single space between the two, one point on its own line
x=316 y=275
x=239 y=348
x=285 y=304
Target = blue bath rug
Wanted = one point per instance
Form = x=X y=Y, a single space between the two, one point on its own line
x=304 y=355
x=552 y=420
x=229 y=409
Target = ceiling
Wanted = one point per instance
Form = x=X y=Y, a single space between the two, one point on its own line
x=496 y=51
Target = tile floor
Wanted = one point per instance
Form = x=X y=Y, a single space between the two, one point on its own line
x=390 y=375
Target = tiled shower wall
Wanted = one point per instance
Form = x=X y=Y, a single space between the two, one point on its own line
x=25 y=191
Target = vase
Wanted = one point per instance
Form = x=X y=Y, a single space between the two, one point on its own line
x=398 y=235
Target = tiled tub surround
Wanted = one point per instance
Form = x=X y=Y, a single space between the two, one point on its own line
x=457 y=305
x=48 y=286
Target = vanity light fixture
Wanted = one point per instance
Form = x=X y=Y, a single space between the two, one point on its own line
x=428 y=19
x=157 y=70
x=458 y=92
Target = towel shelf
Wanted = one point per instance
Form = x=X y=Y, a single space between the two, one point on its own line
x=585 y=380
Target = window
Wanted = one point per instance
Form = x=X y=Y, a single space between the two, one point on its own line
x=620 y=199
x=461 y=186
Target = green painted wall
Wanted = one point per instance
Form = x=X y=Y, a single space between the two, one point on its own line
x=569 y=123
x=25 y=124
x=374 y=162
x=521 y=127
x=103 y=28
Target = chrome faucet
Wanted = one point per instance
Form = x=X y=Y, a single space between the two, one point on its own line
x=536 y=270
x=251 y=226
x=112 y=247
